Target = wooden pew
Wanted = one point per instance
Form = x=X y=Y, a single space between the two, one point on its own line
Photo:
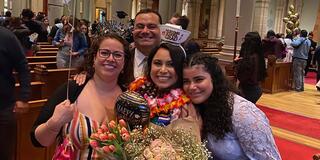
x=15 y=74
x=52 y=78
x=210 y=50
x=41 y=59
x=48 y=49
x=48 y=65
x=25 y=149
x=46 y=53
x=46 y=46
x=36 y=89
x=43 y=43
x=279 y=77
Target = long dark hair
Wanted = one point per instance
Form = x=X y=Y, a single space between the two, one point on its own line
x=88 y=67
x=252 y=46
x=177 y=56
x=216 y=112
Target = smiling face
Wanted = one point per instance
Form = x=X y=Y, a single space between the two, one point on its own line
x=162 y=71
x=197 y=83
x=146 y=31
x=108 y=66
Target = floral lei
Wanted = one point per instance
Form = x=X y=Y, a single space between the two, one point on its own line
x=175 y=99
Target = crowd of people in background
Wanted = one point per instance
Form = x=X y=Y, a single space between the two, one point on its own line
x=110 y=64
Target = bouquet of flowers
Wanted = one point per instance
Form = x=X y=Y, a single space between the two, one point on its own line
x=114 y=141
x=109 y=140
x=159 y=143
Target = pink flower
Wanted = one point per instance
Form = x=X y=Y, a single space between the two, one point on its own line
x=111 y=136
x=104 y=128
x=123 y=130
x=125 y=137
x=112 y=148
x=122 y=123
x=106 y=149
x=112 y=124
x=103 y=137
x=93 y=143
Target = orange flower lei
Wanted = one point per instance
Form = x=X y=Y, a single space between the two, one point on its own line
x=175 y=99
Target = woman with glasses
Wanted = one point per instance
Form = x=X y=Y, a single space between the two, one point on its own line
x=74 y=118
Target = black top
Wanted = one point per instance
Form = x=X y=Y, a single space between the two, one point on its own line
x=12 y=58
x=47 y=110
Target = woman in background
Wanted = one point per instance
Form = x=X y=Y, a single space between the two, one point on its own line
x=251 y=67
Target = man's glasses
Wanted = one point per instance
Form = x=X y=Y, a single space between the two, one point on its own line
x=105 y=53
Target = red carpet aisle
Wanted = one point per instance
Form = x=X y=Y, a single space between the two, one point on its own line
x=310 y=78
x=304 y=126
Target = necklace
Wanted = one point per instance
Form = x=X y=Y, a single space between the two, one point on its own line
x=174 y=99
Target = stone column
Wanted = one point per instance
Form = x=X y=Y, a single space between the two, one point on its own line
x=261 y=16
x=18 y=6
x=220 y=18
x=134 y=10
x=245 y=23
x=316 y=30
x=1 y=7
x=179 y=4
x=279 y=26
x=213 y=21
x=192 y=8
x=142 y=4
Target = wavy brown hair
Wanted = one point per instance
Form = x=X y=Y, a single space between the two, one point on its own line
x=88 y=67
x=216 y=112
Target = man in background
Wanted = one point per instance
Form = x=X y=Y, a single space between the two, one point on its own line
x=12 y=59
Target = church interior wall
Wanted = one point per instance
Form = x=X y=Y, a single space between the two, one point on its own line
x=309 y=14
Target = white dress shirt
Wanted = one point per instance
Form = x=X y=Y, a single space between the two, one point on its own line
x=139 y=63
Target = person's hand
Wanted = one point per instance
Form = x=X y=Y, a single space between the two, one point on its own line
x=21 y=107
x=74 y=53
x=62 y=114
x=80 y=78
x=237 y=58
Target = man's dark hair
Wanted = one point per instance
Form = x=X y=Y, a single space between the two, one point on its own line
x=148 y=10
x=57 y=20
x=7 y=14
x=303 y=33
x=270 y=34
x=27 y=13
x=183 y=21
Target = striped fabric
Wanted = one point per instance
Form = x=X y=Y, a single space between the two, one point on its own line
x=80 y=129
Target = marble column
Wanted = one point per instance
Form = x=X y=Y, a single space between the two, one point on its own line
x=261 y=13
x=220 y=18
x=316 y=30
x=245 y=24
x=142 y=4
x=279 y=26
x=213 y=21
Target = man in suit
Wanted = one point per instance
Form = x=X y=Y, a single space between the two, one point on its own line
x=146 y=35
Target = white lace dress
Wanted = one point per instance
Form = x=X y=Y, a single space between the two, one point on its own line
x=251 y=137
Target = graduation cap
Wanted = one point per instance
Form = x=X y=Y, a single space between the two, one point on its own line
x=121 y=14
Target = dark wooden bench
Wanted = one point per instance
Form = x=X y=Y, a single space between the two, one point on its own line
x=48 y=49
x=52 y=78
x=42 y=59
x=48 y=65
x=46 y=53
x=25 y=149
x=36 y=89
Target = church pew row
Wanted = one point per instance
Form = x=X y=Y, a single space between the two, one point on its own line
x=46 y=46
x=48 y=49
x=48 y=65
x=36 y=89
x=46 y=53
x=25 y=149
x=41 y=59
x=52 y=78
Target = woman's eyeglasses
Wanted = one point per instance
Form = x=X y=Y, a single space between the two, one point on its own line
x=105 y=53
